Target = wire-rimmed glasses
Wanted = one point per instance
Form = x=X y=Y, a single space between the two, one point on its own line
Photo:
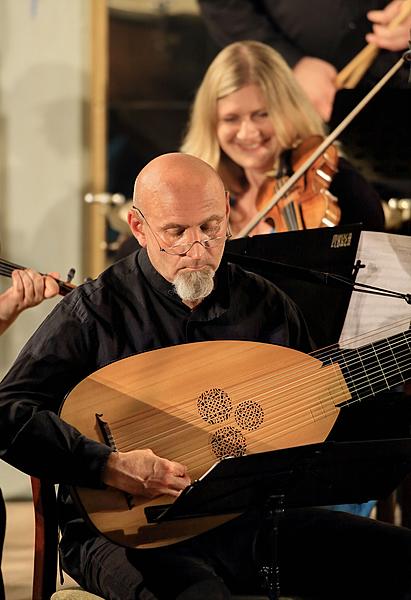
x=183 y=249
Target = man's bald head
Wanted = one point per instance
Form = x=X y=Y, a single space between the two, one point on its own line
x=171 y=174
x=181 y=220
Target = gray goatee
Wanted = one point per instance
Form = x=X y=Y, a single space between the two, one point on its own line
x=191 y=286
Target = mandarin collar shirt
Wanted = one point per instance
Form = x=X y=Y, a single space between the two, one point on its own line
x=130 y=308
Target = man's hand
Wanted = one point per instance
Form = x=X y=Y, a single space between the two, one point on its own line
x=29 y=288
x=317 y=78
x=143 y=473
x=389 y=39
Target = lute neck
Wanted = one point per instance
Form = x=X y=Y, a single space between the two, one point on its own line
x=375 y=367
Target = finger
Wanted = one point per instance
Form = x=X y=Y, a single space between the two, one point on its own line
x=154 y=489
x=389 y=40
x=18 y=286
x=34 y=285
x=179 y=483
x=168 y=481
x=51 y=285
x=178 y=469
x=378 y=16
x=385 y=16
x=27 y=290
x=166 y=490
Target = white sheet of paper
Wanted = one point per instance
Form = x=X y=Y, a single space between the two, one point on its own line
x=387 y=259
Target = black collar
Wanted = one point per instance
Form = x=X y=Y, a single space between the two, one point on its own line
x=212 y=307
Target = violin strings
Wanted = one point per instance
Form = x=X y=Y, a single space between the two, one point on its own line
x=7 y=267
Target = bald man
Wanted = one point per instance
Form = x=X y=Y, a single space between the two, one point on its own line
x=176 y=289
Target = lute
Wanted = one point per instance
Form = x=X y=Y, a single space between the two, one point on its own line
x=201 y=402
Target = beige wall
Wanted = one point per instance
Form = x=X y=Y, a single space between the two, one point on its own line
x=44 y=83
x=44 y=89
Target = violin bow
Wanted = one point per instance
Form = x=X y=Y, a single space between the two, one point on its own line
x=6 y=269
x=351 y=74
x=321 y=148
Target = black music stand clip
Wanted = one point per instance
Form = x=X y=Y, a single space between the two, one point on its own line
x=312 y=475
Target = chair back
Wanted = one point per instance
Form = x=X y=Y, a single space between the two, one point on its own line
x=2 y=536
x=45 y=539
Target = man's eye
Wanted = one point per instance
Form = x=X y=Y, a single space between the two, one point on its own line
x=175 y=233
x=210 y=230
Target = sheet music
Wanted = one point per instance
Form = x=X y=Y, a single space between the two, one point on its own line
x=387 y=259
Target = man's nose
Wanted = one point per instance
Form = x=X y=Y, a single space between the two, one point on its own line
x=196 y=249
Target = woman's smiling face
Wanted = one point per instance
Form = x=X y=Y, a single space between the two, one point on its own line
x=245 y=130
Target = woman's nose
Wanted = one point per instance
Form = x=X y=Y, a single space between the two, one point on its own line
x=247 y=130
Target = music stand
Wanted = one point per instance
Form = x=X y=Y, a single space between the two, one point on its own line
x=311 y=475
x=290 y=259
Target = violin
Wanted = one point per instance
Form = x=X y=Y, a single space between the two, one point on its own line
x=6 y=269
x=275 y=198
x=309 y=203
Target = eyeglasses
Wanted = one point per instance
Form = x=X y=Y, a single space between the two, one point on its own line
x=183 y=249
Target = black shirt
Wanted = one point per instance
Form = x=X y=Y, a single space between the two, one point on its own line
x=129 y=309
x=331 y=30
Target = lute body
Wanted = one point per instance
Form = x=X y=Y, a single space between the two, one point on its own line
x=197 y=403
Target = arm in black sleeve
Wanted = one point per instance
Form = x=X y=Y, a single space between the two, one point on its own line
x=359 y=201
x=298 y=332
x=32 y=437
x=235 y=20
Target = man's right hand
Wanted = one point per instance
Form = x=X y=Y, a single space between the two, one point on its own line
x=143 y=473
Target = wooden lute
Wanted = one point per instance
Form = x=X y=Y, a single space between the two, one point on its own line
x=197 y=403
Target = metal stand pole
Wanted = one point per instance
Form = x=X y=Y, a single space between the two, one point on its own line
x=269 y=569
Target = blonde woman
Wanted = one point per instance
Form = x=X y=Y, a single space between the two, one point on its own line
x=248 y=114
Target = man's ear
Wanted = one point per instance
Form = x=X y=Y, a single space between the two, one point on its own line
x=136 y=227
x=227 y=204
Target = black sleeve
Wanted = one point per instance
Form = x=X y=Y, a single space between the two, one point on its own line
x=32 y=436
x=299 y=334
x=359 y=201
x=235 y=20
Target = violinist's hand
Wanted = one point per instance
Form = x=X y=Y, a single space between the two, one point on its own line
x=382 y=36
x=28 y=289
x=143 y=473
x=318 y=80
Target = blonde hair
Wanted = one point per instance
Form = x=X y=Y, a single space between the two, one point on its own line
x=237 y=65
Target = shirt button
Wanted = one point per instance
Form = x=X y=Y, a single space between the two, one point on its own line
x=352 y=25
